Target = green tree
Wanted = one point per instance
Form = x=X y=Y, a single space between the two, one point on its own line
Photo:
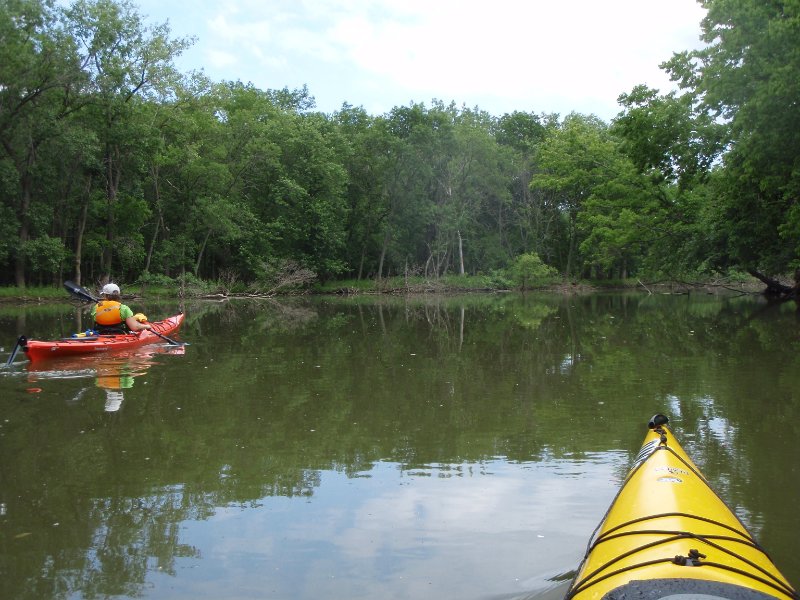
x=472 y=193
x=529 y=222
x=528 y=269
x=198 y=218
x=284 y=165
x=405 y=233
x=38 y=80
x=665 y=139
x=621 y=220
x=746 y=76
x=660 y=216
x=573 y=160
x=365 y=156
x=127 y=62
x=311 y=195
x=445 y=191
x=46 y=256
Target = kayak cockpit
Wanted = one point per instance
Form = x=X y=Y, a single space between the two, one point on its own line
x=683 y=589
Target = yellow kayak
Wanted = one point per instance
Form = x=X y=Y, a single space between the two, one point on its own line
x=668 y=535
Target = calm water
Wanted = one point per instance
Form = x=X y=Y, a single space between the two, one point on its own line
x=381 y=448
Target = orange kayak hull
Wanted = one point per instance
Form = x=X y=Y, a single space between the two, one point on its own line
x=37 y=350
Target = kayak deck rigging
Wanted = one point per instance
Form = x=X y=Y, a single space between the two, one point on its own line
x=637 y=553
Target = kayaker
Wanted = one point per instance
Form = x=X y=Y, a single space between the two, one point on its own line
x=111 y=316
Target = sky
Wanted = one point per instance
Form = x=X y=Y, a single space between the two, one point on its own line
x=537 y=56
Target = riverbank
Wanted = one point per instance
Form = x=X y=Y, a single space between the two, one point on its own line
x=397 y=286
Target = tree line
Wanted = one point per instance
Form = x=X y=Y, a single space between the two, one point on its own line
x=115 y=164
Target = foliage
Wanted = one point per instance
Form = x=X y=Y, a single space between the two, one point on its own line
x=45 y=255
x=113 y=164
x=665 y=139
x=577 y=158
x=32 y=292
x=154 y=279
x=746 y=77
x=190 y=285
x=528 y=269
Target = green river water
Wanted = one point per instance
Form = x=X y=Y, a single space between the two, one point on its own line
x=429 y=447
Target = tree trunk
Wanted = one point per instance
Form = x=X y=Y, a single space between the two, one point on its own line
x=361 y=262
x=25 y=171
x=113 y=176
x=367 y=236
x=24 y=231
x=159 y=220
x=461 y=329
x=777 y=289
x=152 y=246
x=200 y=254
x=460 y=254
x=572 y=246
x=386 y=238
x=81 y=229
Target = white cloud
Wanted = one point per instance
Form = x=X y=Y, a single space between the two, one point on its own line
x=532 y=55
x=221 y=60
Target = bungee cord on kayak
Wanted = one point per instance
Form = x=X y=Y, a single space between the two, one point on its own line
x=626 y=552
x=693 y=559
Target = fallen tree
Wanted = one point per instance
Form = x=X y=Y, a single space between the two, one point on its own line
x=777 y=290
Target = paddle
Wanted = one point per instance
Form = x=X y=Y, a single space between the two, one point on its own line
x=171 y=341
x=20 y=342
x=86 y=296
x=79 y=292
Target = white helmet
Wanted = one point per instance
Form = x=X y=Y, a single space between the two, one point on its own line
x=110 y=289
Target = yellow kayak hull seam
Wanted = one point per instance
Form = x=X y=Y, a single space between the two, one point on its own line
x=668 y=535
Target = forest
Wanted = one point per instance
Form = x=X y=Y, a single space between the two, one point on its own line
x=114 y=164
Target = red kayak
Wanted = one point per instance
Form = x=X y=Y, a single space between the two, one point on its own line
x=38 y=350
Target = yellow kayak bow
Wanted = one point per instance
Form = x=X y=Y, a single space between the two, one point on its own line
x=667 y=535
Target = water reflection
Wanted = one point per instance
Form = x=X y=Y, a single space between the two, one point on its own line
x=112 y=372
x=431 y=533
x=387 y=447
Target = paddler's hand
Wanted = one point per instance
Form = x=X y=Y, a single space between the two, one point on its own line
x=142 y=322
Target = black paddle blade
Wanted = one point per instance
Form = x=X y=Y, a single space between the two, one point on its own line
x=79 y=292
x=20 y=343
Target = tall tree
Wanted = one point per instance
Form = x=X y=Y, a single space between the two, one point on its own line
x=658 y=214
x=666 y=138
x=573 y=161
x=409 y=175
x=473 y=192
x=126 y=62
x=39 y=85
x=747 y=76
x=365 y=155
x=530 y=225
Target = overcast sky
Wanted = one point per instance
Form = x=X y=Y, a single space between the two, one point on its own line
x=501 y=55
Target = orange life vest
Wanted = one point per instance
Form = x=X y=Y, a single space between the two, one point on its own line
x=108 y=313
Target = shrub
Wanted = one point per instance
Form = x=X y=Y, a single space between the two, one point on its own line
x=155 y=279
x=528 y=270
